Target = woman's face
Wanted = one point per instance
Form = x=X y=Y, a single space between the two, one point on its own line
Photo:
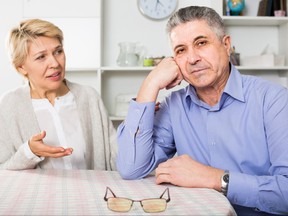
x=45 y=64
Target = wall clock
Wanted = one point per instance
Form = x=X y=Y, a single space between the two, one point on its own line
x=157 y=9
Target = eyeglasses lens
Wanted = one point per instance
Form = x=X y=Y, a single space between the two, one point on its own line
x=119 y=204
x=153 y=205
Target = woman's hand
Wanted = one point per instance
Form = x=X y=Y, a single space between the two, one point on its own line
x=40 y=149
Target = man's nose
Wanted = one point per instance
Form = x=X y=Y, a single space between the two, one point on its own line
x=193 y=56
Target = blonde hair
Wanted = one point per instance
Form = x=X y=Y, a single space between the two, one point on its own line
x=28 y=30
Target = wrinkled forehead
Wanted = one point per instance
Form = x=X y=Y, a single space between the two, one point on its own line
x=40 y=44
x=189 y=31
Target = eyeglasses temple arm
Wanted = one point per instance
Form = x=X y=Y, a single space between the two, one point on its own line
x=167 y=189
x=108 y=189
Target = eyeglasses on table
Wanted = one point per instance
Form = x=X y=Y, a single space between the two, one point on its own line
x=122 y=204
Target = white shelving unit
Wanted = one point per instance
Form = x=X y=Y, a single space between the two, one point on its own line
x=117 y=81
x=249 y=34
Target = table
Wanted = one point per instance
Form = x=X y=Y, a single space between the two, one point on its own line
x=81 y=192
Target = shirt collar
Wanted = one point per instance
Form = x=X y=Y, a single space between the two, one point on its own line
x=233 y=87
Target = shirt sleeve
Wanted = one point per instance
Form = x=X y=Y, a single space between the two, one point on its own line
x=138 y=154
x=21 y=159
x=29 y=154
x=12 y=158
x=267 y=192
x=262 y=193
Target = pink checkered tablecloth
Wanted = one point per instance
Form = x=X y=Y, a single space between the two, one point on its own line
x=81 y=192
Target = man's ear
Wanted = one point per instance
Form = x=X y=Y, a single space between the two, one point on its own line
x=227 y=43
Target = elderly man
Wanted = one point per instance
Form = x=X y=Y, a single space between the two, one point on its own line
x=230 y=131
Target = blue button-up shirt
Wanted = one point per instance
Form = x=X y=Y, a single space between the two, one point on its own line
x=245 y=133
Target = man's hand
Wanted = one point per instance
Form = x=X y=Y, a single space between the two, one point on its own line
x=40 y=149
x=157 y=106
x=166 y=75
x=186 y=172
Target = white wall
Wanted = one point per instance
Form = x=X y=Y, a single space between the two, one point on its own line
x=121 y=21
x=124 y=22
x=10 y=14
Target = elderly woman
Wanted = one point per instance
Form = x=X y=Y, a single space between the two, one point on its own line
x=51 y=123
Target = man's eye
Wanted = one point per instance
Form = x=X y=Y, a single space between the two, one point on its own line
x=179 y=51
x=201 y=43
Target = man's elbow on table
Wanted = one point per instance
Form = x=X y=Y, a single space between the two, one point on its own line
x=129 y=172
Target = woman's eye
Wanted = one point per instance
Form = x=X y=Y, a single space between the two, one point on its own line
x=40 y=57
x=58 y=52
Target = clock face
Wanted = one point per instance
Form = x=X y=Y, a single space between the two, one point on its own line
x=157 y=9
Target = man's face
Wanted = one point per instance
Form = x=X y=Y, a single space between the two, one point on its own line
x=202 y=58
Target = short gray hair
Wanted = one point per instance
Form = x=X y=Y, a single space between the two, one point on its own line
x=192 y=13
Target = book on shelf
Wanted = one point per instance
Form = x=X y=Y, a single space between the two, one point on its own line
x=262 y=8
x=268 y=7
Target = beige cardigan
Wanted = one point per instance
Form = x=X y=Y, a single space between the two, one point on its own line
x=18 y=123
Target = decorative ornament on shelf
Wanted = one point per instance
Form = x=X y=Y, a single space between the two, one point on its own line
x=236 y=7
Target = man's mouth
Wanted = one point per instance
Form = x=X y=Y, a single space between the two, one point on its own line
x=197 y=70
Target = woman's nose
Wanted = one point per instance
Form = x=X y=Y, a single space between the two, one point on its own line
x=53 y=62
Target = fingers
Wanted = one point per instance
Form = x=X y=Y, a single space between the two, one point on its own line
x=163 y=178
x=56 y=152
x=177 y=81
x=157 y=106
x=163 y=174
x=173 y=84
x=40 y=149
x=39 y=137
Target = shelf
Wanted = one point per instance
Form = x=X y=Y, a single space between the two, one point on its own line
x=72 y=70
x=250 y=68
x=145 y=69
x=254 y=21
x=148 y=69
x=117 y=118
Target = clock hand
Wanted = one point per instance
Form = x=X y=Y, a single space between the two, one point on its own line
x=159 y=2
x=156 y=6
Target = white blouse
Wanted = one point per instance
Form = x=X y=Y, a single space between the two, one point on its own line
x=63 y=128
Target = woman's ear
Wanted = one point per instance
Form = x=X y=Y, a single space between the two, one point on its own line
x=22 y=71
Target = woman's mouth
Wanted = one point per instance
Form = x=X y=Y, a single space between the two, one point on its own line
x=54 y=76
